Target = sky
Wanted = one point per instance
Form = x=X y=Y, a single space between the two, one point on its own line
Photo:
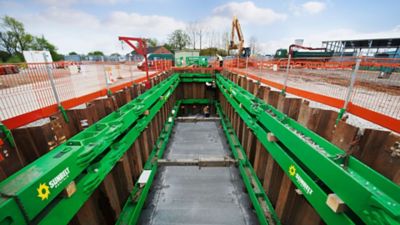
x=88 y=25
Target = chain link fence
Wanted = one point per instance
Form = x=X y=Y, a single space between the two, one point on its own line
x=29 y=87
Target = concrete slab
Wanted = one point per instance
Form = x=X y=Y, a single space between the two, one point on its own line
x=193 y=196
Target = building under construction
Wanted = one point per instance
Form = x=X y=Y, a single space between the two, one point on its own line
x=290 y=140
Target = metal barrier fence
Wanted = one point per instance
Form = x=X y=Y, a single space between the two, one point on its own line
x=32 y=87
x=375 y=89
x=372 y=89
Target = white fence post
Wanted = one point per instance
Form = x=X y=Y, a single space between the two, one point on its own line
x=351 y=85
x=51 y=78
x=287 y=75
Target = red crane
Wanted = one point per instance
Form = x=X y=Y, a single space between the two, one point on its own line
x=140 y=49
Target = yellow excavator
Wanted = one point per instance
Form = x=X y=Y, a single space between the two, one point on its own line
x=242 y=51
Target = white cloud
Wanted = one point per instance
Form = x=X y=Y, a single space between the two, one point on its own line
x=310 y=8
x=248 y=12
x=71 y=2
x=218 y=23
x=75 y=30
x=313 y=7
x=142 y=25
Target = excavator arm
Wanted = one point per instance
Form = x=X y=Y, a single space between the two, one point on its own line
x=238 y=30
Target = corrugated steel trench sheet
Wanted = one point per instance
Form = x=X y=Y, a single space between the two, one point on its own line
x=189 y=195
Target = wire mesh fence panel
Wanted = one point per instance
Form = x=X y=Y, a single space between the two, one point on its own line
x=377 y=87
x=27 y=90
x=62 y=77
x=325 y=81
x=87 y=79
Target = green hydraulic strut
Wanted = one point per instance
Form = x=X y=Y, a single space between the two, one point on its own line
x=34 y=187
x=281 y=156
x=133 y=207
x=200 y=101
x=98 y=171
x=197 y=77
x=373 y=198
x=258 y=197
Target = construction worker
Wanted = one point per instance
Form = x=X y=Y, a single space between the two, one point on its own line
x=221 y=60
x=206 y=111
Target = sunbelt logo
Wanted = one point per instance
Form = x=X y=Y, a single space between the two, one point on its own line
x=44 y=189
x=292 y=172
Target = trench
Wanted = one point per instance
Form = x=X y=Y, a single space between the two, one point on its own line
x=159 y=159
x=196 y=195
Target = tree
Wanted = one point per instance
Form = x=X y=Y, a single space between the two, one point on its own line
x=253 y=45
x=152 y=42
x=212 y=52
x=42 y=44
x=200 y=34
x=4 y=56
x=14 y=40
x=192 y=31
x=179 y=39
x=169 y=47
x=72 y=53
x=13 y=37
x=96 y=53
x=225 y=40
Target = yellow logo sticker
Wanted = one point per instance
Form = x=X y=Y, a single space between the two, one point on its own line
x=43 y=191
x=292 y=170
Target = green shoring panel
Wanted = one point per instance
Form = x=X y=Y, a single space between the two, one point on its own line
x=37 y=185
x=309 y=160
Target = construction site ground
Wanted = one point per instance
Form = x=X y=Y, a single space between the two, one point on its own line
x=368 y=88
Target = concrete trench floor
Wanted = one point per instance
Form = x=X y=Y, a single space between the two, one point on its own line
x=191 y=195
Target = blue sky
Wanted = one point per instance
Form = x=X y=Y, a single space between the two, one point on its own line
x=87 y=25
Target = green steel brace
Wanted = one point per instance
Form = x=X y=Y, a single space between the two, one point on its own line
x=133 y=207
x=200 y=101
x=26 y=194
x=310 y=160
x=197 y=77
x=7 y=134
x=196 y=80
x=98 y=171
x=340 y=115
x=64 y=113
x=257 y=194
x=286 y=161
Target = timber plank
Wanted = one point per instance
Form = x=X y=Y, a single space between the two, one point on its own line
x=272 y=179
